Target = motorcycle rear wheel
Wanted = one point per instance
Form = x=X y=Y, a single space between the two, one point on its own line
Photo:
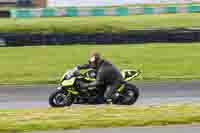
x=130 y=95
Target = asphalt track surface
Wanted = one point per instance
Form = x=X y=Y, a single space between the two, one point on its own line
x=151 y=93
x=156 y=92
x=165 y=129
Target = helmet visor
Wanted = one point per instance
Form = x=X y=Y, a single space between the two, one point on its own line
x=92 y=59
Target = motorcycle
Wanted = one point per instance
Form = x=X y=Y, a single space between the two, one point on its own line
x=70 y=92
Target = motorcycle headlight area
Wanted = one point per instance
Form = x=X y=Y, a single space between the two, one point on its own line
x=68 y=75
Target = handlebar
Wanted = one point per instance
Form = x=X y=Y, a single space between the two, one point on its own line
x=76 y=72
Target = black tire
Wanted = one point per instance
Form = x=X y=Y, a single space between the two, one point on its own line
x=130 y=88
x=66 y=102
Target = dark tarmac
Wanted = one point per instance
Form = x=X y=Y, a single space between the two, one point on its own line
x=165 y=129
x=151 y=92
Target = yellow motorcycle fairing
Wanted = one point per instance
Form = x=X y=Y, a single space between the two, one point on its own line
x=89 y=79
x=69 y=82
x=129 y=74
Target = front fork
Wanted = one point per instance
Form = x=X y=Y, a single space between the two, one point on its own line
x=69 y=90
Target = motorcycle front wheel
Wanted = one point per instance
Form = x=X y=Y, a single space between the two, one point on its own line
x=59 y=98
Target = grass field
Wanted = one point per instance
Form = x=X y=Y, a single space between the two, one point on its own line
x=45 y=64
x=97 y=116
x=100 y=24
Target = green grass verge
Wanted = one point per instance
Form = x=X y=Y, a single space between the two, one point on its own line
x=46 y=64
x=99 y=24
x=97 y=116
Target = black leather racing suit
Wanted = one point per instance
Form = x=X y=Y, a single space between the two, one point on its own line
x=107 y=74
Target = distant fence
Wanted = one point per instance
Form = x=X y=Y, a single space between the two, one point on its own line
x=20 y=3
x=134 y=36
x=4 y=13
x=112 y=11
x=7 y=2
x=98 y=3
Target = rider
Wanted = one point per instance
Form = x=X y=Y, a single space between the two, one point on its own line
x=107 y=74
